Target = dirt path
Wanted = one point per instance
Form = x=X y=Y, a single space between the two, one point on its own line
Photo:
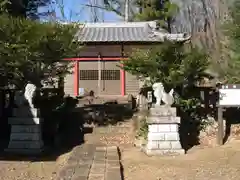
x=219 y=163
x=26 y=170
x=118 y=135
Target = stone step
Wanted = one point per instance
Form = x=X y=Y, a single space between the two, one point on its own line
x=25 y=151
x=25 y=129
x=23 y=112
x=25 y=136
x=25 y=145
x=24 y=120
x=163 y=120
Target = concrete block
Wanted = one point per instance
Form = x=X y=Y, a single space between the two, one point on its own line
x=96 y=177
x=163 y=111
x=101 y=148
x=156 y=136
x=153 y=128
x=164 y=128
x=112 y=149
x=25 y=136
x=25 y=145
x=172 y=136
x=152 y=145
x=112 y=164
x=99 y=155
x=174 y=127
x=26 y=120
x=170 y=152
x=164 y=145
x=25 y=129
x=111 y=175
x=176 y=145
x=97 y=169
x=26 y=112
x=163 y=120
x=67 y=173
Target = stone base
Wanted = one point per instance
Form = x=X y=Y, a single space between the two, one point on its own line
x=25 y=137
x=164 y=145
x=159 y=152
x=162 y=111
x=163 y=120
x=25 y=151
x=25 y=116
x=25 y=144
x=163 y=135
x=24 y=121
x=22 y=112
x=25 y=147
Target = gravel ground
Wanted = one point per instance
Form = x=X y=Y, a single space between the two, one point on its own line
x=218 y=163
x=119 y=135
x=27 y=170
x=200 y=163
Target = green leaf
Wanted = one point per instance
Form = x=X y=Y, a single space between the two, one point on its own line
x=31 y=50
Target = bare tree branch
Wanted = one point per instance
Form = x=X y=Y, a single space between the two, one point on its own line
x=106 y=8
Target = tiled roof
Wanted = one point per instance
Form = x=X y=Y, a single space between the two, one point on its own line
x=125 y=32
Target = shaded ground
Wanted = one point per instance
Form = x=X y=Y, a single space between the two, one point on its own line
x=58 y=144
x=28 y=170
x=46 y=168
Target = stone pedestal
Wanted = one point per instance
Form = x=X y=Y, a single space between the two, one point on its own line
x=163 y=135
x=26 y=133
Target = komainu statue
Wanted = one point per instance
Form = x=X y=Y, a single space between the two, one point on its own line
x=30 y=93
x=161 y=95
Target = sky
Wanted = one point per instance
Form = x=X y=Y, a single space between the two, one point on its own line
x=74 y=10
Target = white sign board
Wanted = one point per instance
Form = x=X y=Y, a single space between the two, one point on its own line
x=81 y=91
x=229 y=95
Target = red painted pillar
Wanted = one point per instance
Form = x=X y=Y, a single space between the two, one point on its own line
x=76 y=77
x=123 y=81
